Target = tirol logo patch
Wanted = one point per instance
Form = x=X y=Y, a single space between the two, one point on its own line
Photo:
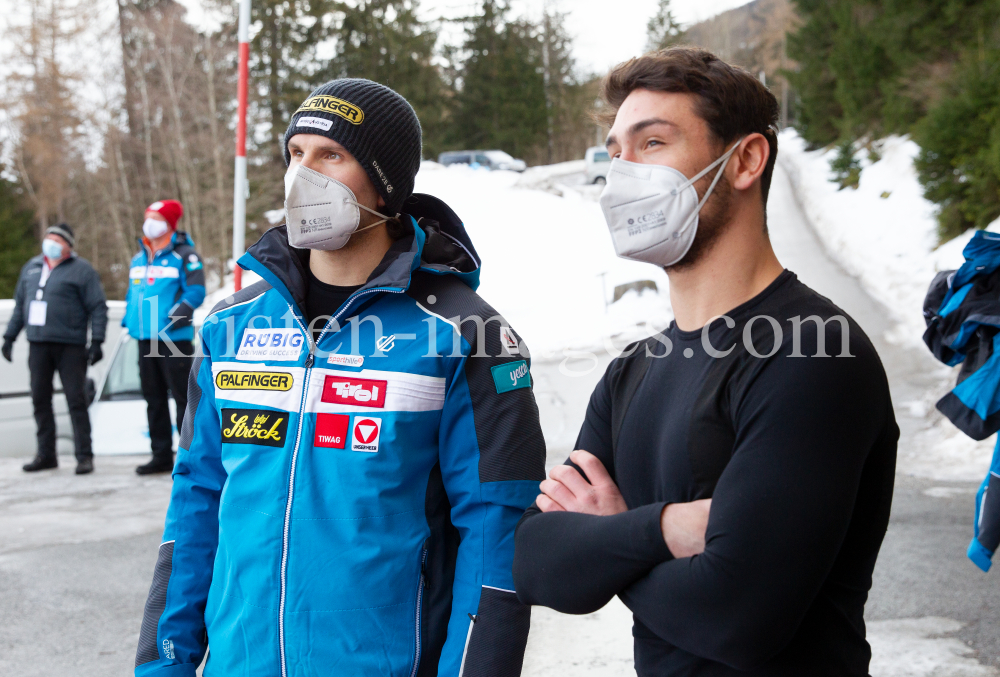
x=511 y=376
x=346 y=360
x=366 y=434
x=254 y=380
x=359 y=392
x=254 y=426
x=331 y=430
x=279 y=345
x=331 y=104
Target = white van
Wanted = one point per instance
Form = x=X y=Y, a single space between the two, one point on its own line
x=598 y=161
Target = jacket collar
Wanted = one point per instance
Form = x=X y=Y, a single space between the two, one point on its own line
x=286 y=268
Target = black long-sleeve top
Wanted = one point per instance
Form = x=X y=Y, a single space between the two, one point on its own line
x=798 y=455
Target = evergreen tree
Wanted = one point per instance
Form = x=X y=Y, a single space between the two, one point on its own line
x=17 y=236
x=500 y=102
x=662 y=30
x=385 y=41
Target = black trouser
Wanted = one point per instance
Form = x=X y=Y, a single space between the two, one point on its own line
x=161 y=372
x=44 y=360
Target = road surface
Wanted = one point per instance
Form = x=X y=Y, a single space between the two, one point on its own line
x=77 y=553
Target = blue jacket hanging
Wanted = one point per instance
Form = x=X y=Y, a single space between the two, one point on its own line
x=962 y=311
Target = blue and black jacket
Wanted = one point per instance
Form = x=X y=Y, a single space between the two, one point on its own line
x=962 y=310
x=165 y=288
x=344 y=511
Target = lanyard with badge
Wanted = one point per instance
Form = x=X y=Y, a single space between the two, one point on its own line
x=38 y=308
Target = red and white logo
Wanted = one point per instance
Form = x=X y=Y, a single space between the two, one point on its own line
x=366 y=434
x=359 y=392
x=331 y=430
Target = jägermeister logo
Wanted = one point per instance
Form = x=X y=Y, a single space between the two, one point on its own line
x=254 y=426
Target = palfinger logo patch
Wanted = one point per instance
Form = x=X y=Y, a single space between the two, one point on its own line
x=254 y=380
x=366 y=434
x=254 y=426
x=331 y=104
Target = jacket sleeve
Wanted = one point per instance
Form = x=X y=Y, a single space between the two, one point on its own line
x=492 y=457
x=192 y=278
x=96 y=304
x=172 y=639
x=16 y=323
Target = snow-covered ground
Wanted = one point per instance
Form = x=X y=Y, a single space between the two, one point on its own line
x=885 y=234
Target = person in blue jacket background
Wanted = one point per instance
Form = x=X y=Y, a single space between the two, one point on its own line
x=361 y=436
x=166 y=286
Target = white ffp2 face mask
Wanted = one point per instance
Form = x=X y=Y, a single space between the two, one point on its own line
x=652 y=210
x=153 y=228
x=320 y=212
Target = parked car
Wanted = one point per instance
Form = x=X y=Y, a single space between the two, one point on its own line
x=117 y=410
x=489 y=159
x=598 y=161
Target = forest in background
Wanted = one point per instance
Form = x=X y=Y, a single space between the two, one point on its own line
x=929 y=68
x=102 y=113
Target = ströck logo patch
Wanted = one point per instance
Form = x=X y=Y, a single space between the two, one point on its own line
x=254 y=380
x=331 y=430
x=359 y=392
x=511 y=376
x=280 y=345
x=331 y=104
x=366 y=434
x=254 y=426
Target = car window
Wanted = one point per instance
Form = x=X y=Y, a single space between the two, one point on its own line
x=602 y=156
x=482 y=159
x=499 y=156
x=123 y=375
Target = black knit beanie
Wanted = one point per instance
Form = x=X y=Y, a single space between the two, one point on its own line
x=375 y=124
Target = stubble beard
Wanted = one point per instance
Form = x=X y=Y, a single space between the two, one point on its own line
x=713 y=220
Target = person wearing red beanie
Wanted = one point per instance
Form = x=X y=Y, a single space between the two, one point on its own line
x=166 y=285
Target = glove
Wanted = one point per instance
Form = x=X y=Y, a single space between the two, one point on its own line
x=96 y=354
x=8 y=348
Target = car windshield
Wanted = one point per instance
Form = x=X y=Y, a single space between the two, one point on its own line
x=601 y=156
x=499 y=156
x=123 y=376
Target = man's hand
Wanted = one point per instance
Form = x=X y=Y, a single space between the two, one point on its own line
x=567 y=490
x=684 y=525
x=96 y=354
x=7 y=350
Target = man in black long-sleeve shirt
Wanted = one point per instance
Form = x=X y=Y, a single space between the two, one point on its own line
x=735 y=485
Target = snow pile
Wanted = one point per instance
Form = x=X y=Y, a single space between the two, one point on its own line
x=884 y=233
x=549 y=266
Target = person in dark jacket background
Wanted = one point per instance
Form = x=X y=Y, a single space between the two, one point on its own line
x=58 y=295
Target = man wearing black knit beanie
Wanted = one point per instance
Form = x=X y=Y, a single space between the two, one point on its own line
x=361 y=436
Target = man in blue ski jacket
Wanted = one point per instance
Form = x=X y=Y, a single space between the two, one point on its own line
x=361 y=436
x=166 y=286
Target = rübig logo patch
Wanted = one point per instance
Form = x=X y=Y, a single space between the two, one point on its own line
x=279 y=345
x=331 y=430
x=254 y=380
x=359 y=392
x=511 y=376
x=366 y=434
x=254 y=426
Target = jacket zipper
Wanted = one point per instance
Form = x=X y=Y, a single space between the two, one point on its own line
x=310 y=360
x=419 y=613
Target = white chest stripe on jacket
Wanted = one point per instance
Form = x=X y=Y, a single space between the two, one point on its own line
x=139 y=272
x=288 y=400
x=404 y=392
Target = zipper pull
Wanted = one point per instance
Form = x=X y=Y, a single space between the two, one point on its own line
x=310 y=360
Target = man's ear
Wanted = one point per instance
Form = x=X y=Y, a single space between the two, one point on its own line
x=381 y=202
x=749 y=161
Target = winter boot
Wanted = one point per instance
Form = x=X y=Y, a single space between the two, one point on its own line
x=157 y=465
x=85 y=466
x=40 y=463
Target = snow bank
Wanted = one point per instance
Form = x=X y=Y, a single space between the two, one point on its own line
x=549 y=266
x=889 y=243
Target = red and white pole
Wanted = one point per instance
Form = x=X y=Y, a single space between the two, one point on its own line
x=240 y=187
